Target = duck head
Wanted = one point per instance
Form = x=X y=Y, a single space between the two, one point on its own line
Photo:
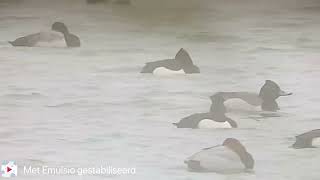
x=217 y=106
x=60 y=27
x=269 y=92
x=184 y=59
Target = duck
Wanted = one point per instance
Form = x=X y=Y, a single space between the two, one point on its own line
x=310 y=139
x=214 y=119
x=181 y=64
x=229 y=157
x=59 y=36
x=266 y=98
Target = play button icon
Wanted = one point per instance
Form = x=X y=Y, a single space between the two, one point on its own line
x=8 y=169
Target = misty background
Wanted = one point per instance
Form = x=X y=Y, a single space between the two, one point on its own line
x=89 y=106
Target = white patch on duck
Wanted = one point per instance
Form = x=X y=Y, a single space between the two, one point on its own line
x=210 y=124
x=219 y=159
x=162 y=71
x=316 y=142
x=50 y=39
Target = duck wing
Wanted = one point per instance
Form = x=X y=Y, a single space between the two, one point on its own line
x=192 y=121
x=29 y=40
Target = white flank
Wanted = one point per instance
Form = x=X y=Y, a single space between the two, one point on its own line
x=207 y=124
x=162 y=71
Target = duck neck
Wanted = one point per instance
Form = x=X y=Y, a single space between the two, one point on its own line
x=66 y=34
x=218 y=108
x=269 y=105
x=248 y=160
x=245 y=157
x=232 y=122
x=66 y=38
x=187 y=69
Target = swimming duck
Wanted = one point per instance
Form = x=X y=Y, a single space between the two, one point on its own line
x=309 y=139
x=181 y=64
x=230 y=157
x=216 y=118
x=57 y=37
x=269 y=92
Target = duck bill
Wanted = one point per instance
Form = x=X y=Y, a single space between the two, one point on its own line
x=212 y=147
x=283 y=93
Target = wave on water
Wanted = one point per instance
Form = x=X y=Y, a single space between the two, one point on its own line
x=24 y=96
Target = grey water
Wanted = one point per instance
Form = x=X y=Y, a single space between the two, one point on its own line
x=88 y=106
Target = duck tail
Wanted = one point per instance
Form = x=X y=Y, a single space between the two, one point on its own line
x=11 y=42
x=147 y=68
x=175 y=124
